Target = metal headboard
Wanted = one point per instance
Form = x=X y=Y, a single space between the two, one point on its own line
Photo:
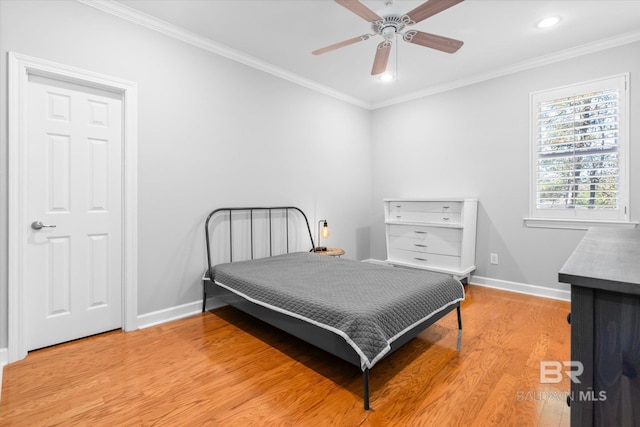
x=251 y=210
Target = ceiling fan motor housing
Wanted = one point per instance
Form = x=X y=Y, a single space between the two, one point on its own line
x=388 y=27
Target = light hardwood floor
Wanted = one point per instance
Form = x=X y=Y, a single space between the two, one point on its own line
x=225 y=368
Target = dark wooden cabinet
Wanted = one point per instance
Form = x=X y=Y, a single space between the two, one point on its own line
x=604 y=273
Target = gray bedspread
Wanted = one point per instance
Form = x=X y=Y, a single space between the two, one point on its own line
x=368 y=305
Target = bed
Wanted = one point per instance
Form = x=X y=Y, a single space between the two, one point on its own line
x=360 y=312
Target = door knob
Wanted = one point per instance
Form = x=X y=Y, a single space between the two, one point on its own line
x=37 y=225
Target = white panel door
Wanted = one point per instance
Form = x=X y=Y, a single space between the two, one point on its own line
x=73 y=281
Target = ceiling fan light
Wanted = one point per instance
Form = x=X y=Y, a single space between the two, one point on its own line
x=548 y=22
x=389 y=32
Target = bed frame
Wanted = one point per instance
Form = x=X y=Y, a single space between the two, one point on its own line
x=321 y=338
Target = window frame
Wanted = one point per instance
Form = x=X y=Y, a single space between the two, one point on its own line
x=577 y=218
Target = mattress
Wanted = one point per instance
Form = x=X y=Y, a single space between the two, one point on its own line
x=369 y=305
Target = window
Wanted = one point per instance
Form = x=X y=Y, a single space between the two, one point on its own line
x=579 y=145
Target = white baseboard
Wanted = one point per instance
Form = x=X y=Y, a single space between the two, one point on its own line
x=174 y=313
x=4 y=359
x=521 y=288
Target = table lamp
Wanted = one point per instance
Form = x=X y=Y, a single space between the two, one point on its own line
x=323 y=231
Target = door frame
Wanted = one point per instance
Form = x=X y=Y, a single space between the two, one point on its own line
x=20 y=68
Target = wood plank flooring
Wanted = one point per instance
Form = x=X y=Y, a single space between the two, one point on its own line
x=223 y=368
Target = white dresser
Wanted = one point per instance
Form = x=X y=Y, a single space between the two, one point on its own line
x=432 y=234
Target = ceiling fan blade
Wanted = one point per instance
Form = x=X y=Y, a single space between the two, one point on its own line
x=341 y=44
x=433 y=41
x=360 y=9
x=430 y=8
x=381 y=59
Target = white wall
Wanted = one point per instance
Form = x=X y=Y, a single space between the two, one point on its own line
x=474 y=141
x=212 y=133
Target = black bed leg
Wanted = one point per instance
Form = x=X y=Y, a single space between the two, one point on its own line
x=204 y=296
x=365 y=380
x=459 y=340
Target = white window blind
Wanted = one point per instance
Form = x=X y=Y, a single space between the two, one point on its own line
x=579 y=151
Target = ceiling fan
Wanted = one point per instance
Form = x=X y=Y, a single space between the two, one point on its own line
x=388 y=23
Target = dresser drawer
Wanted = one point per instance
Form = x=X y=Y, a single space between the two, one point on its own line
x=427 y=217
x=433 y=246
x=424 y=259
x=432 y=234
x=431 y=206
x=438 y=212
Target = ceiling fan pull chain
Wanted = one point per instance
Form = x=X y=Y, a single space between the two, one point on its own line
x=397 y=49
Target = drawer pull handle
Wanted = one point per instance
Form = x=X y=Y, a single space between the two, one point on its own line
x=445 y=218
x=398 y=216
x=419 y=245
x=419 y=259
x=420 y=232
x=398 y=206
x=445 y=207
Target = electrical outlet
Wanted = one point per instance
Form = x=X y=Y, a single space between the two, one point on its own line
x=493 y=258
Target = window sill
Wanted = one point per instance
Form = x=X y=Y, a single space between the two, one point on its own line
x=576 y=224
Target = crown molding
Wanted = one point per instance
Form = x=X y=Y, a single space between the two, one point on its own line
x=135 y=16
x=176 y=32
x=559 y=56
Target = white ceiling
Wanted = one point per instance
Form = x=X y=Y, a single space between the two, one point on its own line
x=499 y=36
